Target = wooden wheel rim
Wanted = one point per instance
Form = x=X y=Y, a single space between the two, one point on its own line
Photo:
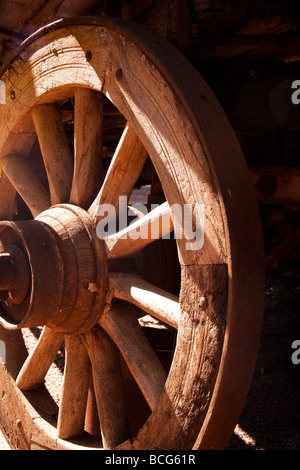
x=217 y=346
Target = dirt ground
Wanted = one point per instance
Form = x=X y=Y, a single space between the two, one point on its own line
x=3 y=444
x=271 y=416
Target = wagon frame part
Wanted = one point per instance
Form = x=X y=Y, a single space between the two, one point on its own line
x=173 y=117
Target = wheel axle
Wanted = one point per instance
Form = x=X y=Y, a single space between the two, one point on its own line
x=53 y=271
x=8 y=272
x=14 y=275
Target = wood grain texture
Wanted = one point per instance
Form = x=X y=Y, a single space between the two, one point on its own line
x=85 y=270
x=153 y=300
x=76 y=382
x=197 y=159
x=124 y=170
x=108 y=387
x=14 y=145
x=122 y=326
x=37 y=364
x=129 y=241
x=26 y=183
x=88 y=134
x=55 y=150
x=201 y=330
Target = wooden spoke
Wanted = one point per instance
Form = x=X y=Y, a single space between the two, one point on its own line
x=122 y=326
x=7 y=198
x=20 y=146
x=26 y=183
x=124 y=170
x=55 y=150
x=76 y=381
x=177 y=118
x=36 y=366
x=157 y=302
x=108 y=387
x=140 y=233
x=88 y=132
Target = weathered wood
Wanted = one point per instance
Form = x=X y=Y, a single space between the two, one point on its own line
x=285 y=249
x=7 y=195
x=177 y=119
x=76 y=381
x=16 y=14
x=14 y=144
x=203 y=328
x=55 y=150
x=15 y=350
x=246 y=17
x=108 y=387
x=26 y=183
x=173 y=170
x=124 y=170
x=205 y=25
x=37 y=364
x=27 y=429
x=88 y=133
x=157 y=302
x=122 y=326
x=277 y=185
x=260 y=47
x=85 y=270
x=129 y=241
x=19 y=19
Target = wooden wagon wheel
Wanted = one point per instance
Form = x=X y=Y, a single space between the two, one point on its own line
x=68 y=283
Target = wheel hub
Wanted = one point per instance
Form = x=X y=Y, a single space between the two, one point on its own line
x=53 y=271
